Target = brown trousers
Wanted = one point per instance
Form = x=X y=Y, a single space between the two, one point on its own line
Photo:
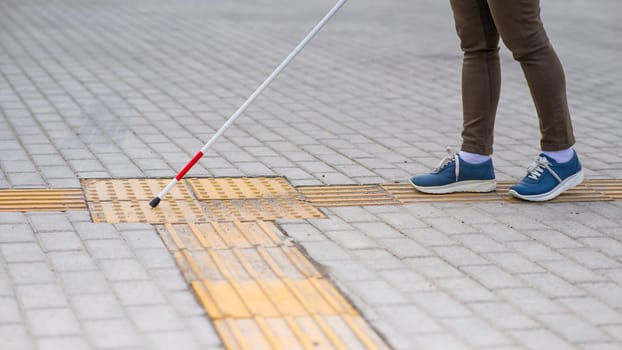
x=479 y=24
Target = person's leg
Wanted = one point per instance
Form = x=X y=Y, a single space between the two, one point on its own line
x=481 y=73
x=471 y=169
x=557 y=169
x=522 y=31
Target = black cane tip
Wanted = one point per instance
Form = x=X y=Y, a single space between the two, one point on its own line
x=154 y=202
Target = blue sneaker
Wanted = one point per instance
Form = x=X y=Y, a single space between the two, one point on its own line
x=547 y=179
x=456 y=175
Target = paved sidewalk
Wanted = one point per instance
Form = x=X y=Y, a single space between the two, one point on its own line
x=132 y=89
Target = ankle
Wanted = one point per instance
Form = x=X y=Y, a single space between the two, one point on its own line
x=473 y=158
x=561 y=156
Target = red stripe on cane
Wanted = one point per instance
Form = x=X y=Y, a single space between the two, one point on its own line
x=190 y=164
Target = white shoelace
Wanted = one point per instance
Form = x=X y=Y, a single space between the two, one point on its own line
x=535 y=171
x=450 y=158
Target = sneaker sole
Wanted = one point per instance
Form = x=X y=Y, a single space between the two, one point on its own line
x=565 y=185
x=460 y=186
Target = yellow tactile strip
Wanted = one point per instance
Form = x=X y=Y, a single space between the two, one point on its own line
x=586 y=192
x=261 y=292
x=41 y=200
x=349 y=195
x=404 y=193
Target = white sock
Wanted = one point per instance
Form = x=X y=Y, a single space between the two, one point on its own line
x=473 y=158
x=560 y=156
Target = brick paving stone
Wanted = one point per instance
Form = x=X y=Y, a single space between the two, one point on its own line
x=44 y=222
x=378 y=259
x=492 y=276
x=326 y=250
x=10 y=310
x=75 y=260
x=15 y=336
x=155 y=258
x=476 y=332
x=429 y=237
x=536 y=251
x=513 y=263
x=572 y=272
x=93 y=231
x=112 y=333
x=96 y=306
x=593 y=310
x=433 y=267
x=609 y=293
x=503 y=315
x=351 y=239
x=376 y=293
x=554 y=239
x=459 y=256
x=573 y=328
x=406 y=280
x=59 y=241
x=608 y=245
x=52 y=322
x=168 y=340
x=530 y=301
x=84 y=282
x=540 y=339
x=108 y=249
x=347 y=270
x=403 y=247
x=439 y=304
x=480 y=243
x=36 y=296
x=123 y=269
x=302 y=232
x=449 y=225
x=437 y=341
x=14 y=232
x=591 y=259
x=552 y=285
x=155 y=318
x=377 y=230
x=59 y=343
x=22 y=252
x=466 y=289
x=409 y=319
x=138 y=293
x=30 y=272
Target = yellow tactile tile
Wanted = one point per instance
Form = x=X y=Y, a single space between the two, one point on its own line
x=139 y=211
x=260 y=209
x=41 y=200
x=260 y=290
x=352 y=195
x=242 y=188
x=99 y=190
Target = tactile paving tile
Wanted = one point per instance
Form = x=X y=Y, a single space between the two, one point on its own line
x=242 y=188
x=260 y=209
x=97 y=190
x=261 y=292
x=352 y=195
x=175 y=211
x=41 y=200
